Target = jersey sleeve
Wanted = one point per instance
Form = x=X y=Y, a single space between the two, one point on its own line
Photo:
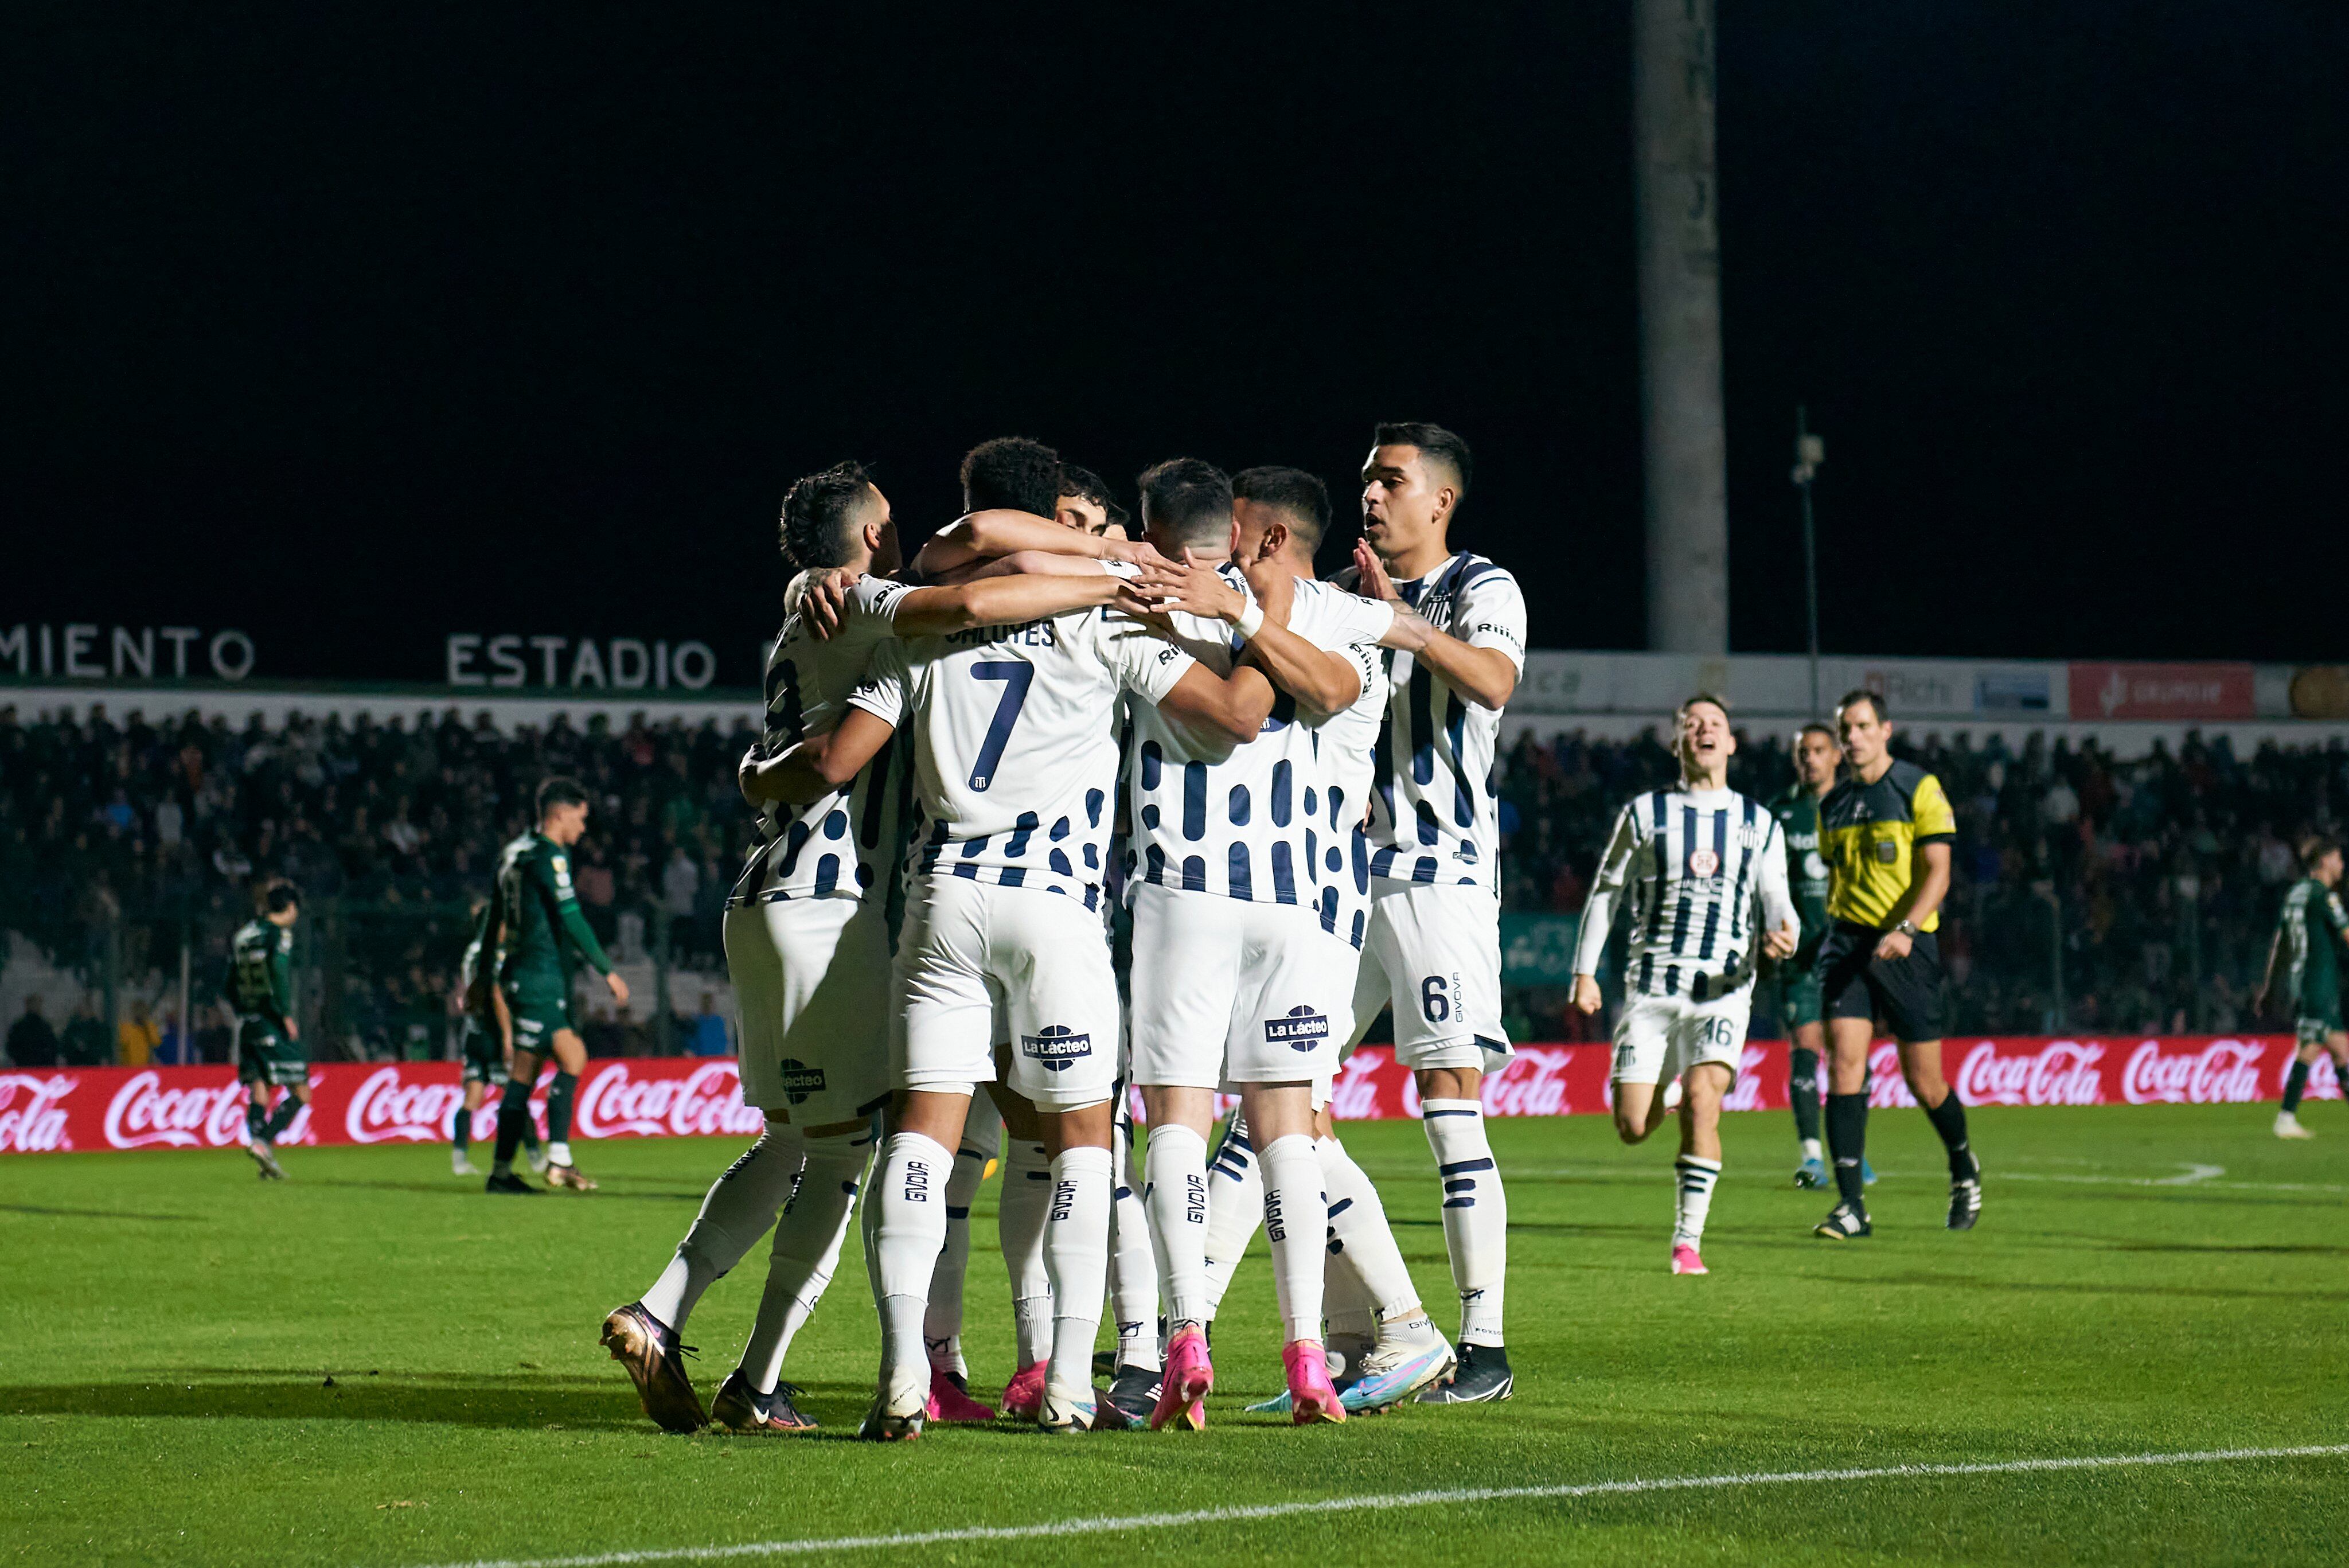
x=1772 y=894
x=1145 y=664
x=554 y=872
x=1490 y=612
x=2337 y=914
x=1929 y=809
x=1614 y=870
x=877 y=600
x=882 y=692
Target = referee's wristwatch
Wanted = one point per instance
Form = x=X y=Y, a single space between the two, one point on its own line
x=1906 y=927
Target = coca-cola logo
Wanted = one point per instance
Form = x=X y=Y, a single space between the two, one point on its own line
x=33 y=1112
x=2225 y=1072
x=706 y=1103
x=1746 y=1095
x=387 y=1106
x=1888 y=1086
x=144 y=1113
x=1531 y=1084
x=2061 y=1073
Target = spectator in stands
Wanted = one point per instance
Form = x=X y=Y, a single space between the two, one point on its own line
x=680 y=885
x=136 y=1037
x=709 y=1036
x=85 y=1043
x=31 y=1042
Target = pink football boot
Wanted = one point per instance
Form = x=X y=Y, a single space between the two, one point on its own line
x=1024 y=1395
x=1311 y=1396
x=1189 y=1375
x=950 y=1404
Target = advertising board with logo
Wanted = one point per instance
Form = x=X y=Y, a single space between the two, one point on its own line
x=2164 y=691
x=53 y=1110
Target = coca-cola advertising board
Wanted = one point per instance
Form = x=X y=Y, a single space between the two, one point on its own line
x=48 y=1110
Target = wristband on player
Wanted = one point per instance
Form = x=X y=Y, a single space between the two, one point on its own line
x=1251 y=621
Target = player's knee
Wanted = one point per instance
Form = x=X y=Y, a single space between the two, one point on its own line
x=1631 y=1131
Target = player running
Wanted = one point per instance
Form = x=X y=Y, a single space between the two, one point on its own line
x=2304 y=971
x=1887 y=830
x=486 y=1048
x=259 y=991
x=1701 y=862
x=1015 y=761
x=807 y=948
x=1816 y=755
x=1435 y=928
x=539 y=927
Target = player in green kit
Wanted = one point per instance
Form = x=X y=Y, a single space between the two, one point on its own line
x=1816 y=753
x=535 y=927
x=488 y=1047
x=2304 y=970
x=260 y=994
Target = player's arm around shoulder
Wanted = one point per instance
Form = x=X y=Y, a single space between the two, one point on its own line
x=1482 y=665
x=1325 y=681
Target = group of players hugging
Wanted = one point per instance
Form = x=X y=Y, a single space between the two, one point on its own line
x=1080 y=819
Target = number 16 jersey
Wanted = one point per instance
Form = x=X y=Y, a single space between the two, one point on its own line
x=1015 y=744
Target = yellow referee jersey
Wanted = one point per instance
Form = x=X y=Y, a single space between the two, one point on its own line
x=1868 y=834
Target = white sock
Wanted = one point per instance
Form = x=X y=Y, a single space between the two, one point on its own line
x=1696 y=1176
x=1361 y=1242
x=1027 y=1197
x=912 y=1227
x=1475 y=1214
x=1076 y=1254
x=942 y=1325
x=1297 y=1223
x=1346 y=1304
x=1133 y=1263
x=808 y=1237
x=1811 y=1150
x=1175 y=1191
x=558 y=1152
x=742 y=1204
x=1235 y=1208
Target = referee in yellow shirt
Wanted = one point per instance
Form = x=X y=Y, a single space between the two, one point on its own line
x=1885 y=832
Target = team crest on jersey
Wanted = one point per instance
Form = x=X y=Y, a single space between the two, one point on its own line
x=1055 y=1047
x=1300 y=1030
x=1704 y=863
x=799 y=1081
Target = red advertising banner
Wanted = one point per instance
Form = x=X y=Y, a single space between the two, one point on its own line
x=46 y=1110
x=2162 y=691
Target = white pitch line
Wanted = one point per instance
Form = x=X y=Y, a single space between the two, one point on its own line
x=1240 y=1515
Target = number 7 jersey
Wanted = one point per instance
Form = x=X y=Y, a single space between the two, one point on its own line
x=1015 y=743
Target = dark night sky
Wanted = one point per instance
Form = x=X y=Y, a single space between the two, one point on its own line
x=354 y=332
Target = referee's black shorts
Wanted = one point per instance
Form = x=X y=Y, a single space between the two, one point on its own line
x=1905 y=994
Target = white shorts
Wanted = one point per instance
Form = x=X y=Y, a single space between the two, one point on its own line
x=1438 y=946
x=1356 y=977
x=1658 y=1038
x=811 y=983
x=1227 y=991
x=969 y=948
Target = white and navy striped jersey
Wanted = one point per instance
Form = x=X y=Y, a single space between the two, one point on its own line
x=1345 y=744
x=843 y=845
x=1434 y=817
x=1214 y=817
x=1703 y=874
x=1015 y=749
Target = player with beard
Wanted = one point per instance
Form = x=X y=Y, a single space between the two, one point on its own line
x=1703 y=876
x=1434 y=932
x=808 y=953
x=1014 y=763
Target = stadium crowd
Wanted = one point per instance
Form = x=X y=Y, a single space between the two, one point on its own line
x=2158 y=876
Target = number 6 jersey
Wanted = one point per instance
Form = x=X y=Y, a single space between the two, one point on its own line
x=1015 y=743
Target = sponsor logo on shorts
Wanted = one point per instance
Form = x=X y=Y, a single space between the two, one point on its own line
x=1300 y=1030
x=1056 y=1047
x=799 y=1081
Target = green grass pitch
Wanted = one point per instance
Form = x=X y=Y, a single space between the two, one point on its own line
x=373 y=1364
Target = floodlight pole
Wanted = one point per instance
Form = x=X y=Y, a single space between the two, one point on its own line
x=1810 y=452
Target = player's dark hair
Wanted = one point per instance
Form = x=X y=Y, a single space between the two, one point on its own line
x=560 y=791
x=1693 y=700
x=2314 y=849
x=1862 y=694
x=1012 y=472
x=1820 y=726
x=820 y=515
x=1087 y=485
x=1190 y=499
x=1433 y=442
x=280 y=897
x=1297 y=492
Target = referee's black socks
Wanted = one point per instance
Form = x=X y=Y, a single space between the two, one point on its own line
x=1803 y=1091
x=1848 y=1141
x=1949 y=1119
